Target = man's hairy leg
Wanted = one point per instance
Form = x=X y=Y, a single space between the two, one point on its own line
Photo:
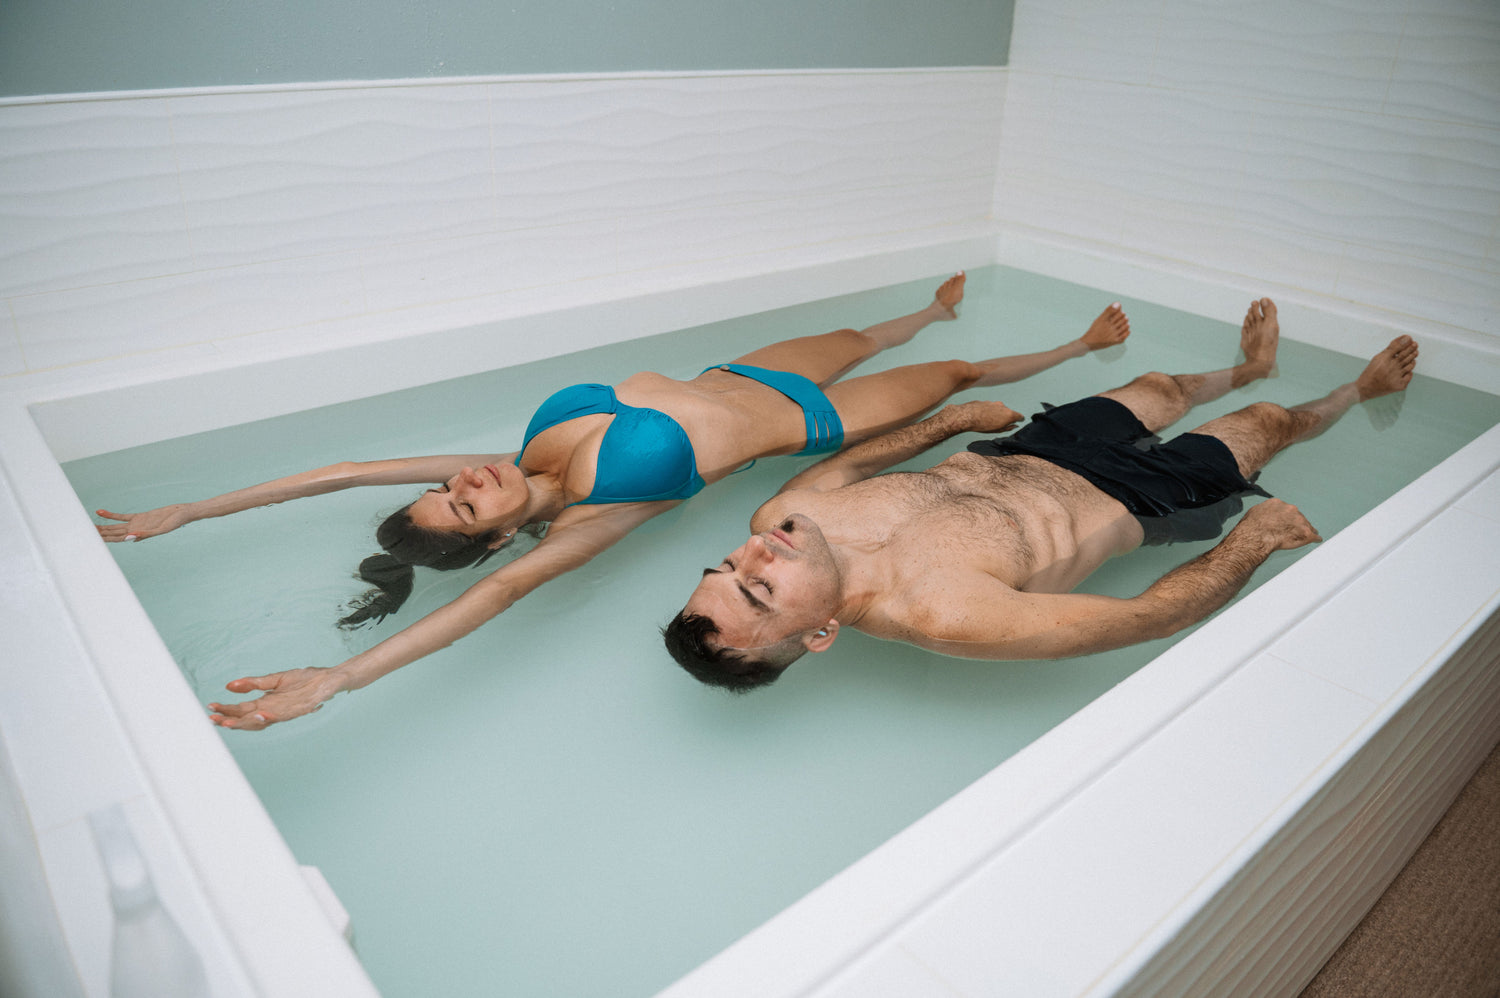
x=1159 y=400
x=1259 y=431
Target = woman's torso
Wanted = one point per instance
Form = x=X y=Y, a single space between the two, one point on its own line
x=728 y=420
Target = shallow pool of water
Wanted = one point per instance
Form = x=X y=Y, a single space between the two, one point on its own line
x=551 y=807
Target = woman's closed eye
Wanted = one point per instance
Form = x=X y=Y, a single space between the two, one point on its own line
x=444 y=490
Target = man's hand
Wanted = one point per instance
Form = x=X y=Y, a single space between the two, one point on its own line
x=983 y=417
x=1280 y=524
x=286 y=695
x=139 y=526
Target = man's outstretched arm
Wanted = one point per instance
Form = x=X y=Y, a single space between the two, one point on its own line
x=1005 y=624
x=871 y=457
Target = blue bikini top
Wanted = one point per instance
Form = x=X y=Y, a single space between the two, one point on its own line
x=645 y=455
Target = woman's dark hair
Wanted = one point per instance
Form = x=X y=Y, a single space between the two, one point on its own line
x=687 y=636
x=406 y=545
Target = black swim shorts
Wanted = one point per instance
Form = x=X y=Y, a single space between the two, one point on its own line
x=1102 y=440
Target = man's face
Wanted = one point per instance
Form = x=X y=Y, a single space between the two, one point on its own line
x=781 y=583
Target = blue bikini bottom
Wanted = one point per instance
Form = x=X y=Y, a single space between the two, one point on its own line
x=825 y=431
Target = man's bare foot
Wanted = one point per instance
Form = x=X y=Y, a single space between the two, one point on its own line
x=1389 y=371
x=949 y=294
x=1109 y=329
x=1260 y=335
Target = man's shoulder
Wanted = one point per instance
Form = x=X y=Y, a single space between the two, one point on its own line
x=937 y=604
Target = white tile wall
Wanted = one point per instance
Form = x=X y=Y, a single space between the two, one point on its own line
x=1347 y=150
x=133 y=224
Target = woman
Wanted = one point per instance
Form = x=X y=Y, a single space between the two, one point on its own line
x=595 y=462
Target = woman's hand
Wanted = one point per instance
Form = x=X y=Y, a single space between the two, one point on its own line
x=139 y=526
x=285 y=695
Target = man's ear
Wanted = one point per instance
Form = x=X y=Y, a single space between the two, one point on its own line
x=822 y=638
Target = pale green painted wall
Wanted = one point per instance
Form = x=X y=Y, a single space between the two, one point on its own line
x=75 y=46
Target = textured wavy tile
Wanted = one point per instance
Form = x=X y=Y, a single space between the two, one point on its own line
x=1187 y=147
x=664 y=146
x=1109 y=155
x=12 y=360
x=458 y=191
x=413 y=274
x=1262 y=254
x=1026 y=124
x=1492 y=250
x=713 y=232
x=1449 y=65
x=568 y=151
x=89 y=195
x=650 y=145
x=1084 y=209
x=1469 y=299
x=792 y=137
x=1409 y=186
x=1334 y=54
x=725 y=232
x=276 y=175
x=85 y=324
x=788 y=141
x=950 y=128
x=923 y=205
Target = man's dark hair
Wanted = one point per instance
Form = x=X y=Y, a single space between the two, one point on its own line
x=687 y=636
x=407 y=544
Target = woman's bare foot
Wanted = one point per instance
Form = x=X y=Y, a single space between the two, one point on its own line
x=1109 y=329
x=1260 y=335
x=1389 y=371
x=949 y=294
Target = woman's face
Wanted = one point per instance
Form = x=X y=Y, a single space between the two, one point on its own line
x=474 y=501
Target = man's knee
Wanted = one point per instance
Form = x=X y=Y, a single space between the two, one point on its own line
x=1271 y=416
x=1256 y=431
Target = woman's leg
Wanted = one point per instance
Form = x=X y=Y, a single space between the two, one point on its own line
x=828 y=357
x=879 y=403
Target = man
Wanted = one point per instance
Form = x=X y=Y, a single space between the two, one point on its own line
x=977 y=556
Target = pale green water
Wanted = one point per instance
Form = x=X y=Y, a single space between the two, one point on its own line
x=551 y=807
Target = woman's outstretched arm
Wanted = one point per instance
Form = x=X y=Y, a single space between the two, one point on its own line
x=575 y=537
x=319 y=481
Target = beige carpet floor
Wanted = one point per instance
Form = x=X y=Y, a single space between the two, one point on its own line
x=1435 y=933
